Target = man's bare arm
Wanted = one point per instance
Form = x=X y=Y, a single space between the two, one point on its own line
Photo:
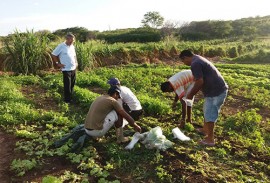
x=130 y=120
x=197 y=86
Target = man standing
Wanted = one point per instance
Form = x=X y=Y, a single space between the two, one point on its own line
x=130 y=102
x=181 y=83
x=64 y=56
x=209 y=80
x=105 y=112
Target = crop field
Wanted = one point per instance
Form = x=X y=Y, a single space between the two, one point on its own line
x=33 y=116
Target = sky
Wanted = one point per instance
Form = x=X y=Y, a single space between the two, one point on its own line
x=104 y=15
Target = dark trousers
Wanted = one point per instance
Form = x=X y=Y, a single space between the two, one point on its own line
x=134 y=114
x=69 y=78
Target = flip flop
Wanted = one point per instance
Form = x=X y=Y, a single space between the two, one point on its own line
x=199 y=130
x=202 y=142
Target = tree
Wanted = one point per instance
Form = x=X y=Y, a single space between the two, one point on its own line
x=169 y=28
x=249 y=30
x=152 y=19
x=81 y=33
x=221 y=29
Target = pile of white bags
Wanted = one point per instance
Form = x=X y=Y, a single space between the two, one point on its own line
x=154 y=139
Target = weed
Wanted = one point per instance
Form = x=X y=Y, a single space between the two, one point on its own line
x=22 y=166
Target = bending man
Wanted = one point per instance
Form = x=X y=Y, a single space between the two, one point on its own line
x=181 y=83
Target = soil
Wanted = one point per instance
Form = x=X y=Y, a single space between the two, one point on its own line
x=41 y=99
x=7 y=144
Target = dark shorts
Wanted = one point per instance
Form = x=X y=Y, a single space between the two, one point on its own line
x=134 y=114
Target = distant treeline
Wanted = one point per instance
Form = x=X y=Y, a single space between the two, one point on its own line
x=247 y=28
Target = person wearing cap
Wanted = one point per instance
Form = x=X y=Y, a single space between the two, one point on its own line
x=181 y=83
x=209 y=80
x=104 y=112
x=129 y=101
x=64 y=56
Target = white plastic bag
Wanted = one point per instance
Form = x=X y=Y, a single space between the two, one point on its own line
x=154 y=139
x=180 y=135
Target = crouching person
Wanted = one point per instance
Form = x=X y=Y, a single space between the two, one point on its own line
x=104 y=113
x=130 y=102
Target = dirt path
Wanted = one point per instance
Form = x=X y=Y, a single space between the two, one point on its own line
x=7 y=145
x=39 y=96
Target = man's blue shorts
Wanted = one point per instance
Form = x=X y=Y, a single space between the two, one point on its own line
x=212 y=106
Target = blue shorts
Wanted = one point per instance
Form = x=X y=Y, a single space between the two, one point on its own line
x=212 y=106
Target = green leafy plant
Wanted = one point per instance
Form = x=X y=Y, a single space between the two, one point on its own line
x=28 y=52
x=51 y=179
x=22 y=166
x=85 y=57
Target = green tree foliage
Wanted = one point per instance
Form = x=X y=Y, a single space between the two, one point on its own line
x=48 y=34
x=196 y=30
x=264 y=29
x=140 y=35
x=242 y=28
x=82 y=34
x=152 y=19
x=221 y=29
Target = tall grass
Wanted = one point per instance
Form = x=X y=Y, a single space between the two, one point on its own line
x=85 y=56
x=27 y=52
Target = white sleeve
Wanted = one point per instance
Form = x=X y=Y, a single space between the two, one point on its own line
x=57 y=50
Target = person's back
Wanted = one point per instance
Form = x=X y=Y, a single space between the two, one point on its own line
x=181 y=82
x=214 y=83
x=130 y=99
x=98 y=111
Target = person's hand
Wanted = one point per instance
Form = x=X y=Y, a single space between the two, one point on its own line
x=60 y=65
x=137 y=128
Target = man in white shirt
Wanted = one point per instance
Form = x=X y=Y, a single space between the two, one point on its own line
x=130 y=102
x=64 y=56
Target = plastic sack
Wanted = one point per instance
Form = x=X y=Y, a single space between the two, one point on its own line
x=156 y=140
x=180 y=135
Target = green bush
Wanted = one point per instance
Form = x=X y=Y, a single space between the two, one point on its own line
x=246 y=122
x=153 y=106
x=27 y=52
x=84 y=96
x=233 y=52
x=141 y=35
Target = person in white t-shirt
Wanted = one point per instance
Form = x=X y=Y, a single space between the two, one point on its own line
x=130 y=102
x=181 y=83
x=64 y=56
